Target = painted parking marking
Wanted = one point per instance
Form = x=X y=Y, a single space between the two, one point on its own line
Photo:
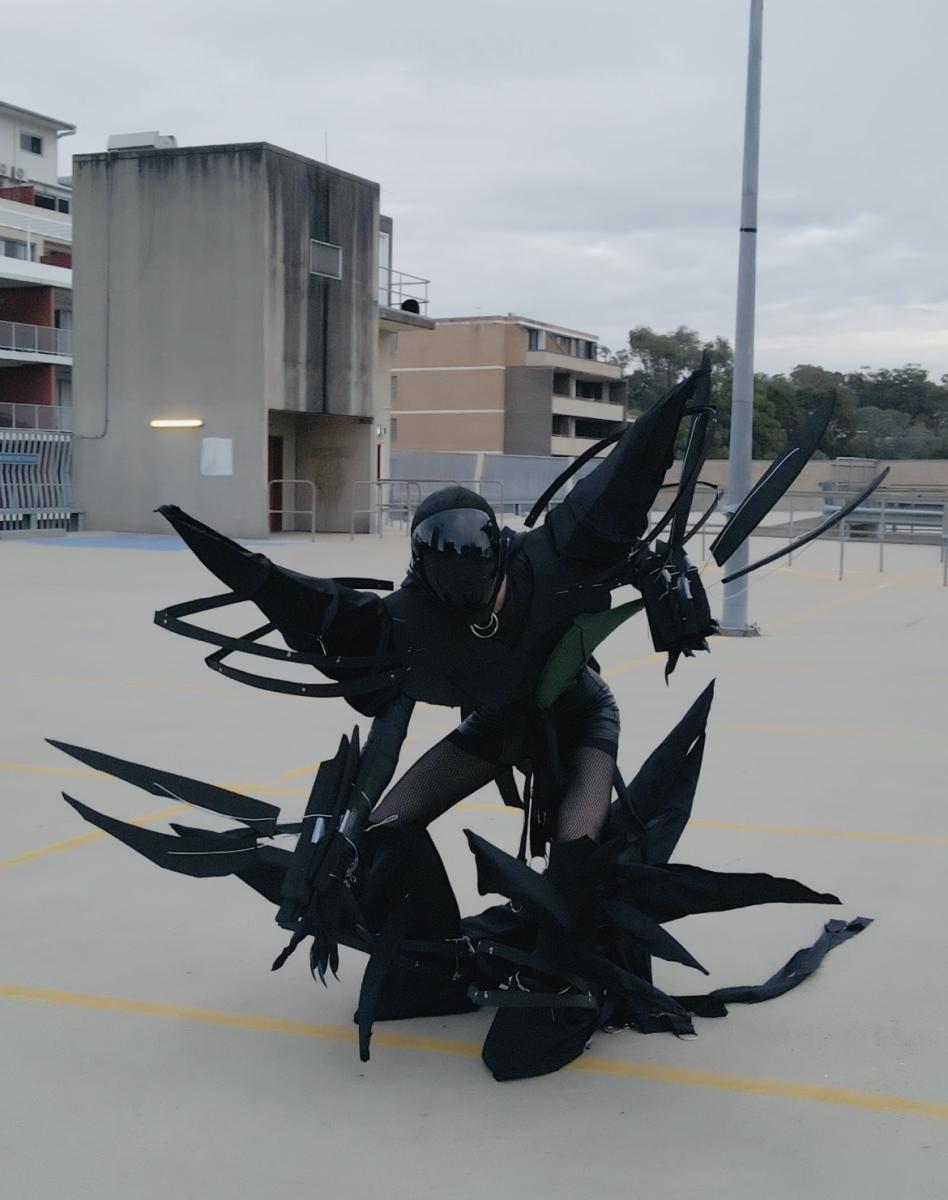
x=593 y=1064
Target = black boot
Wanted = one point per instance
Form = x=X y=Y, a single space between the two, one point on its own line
x=551 y=1011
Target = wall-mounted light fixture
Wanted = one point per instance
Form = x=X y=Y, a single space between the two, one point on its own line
x=177 y=423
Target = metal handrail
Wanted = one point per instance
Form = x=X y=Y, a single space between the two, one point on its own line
x=35 y=339
x=397 y=286
x=55 y=418
x=404 y=506
x=296 y=512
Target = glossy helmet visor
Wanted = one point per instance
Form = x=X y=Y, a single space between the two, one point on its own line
x=457 y=556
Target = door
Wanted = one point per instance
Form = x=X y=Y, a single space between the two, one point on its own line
x=275 y=491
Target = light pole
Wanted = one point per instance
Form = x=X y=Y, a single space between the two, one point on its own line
x=734 y=617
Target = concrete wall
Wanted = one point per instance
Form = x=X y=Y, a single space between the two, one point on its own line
x=169 y=318
x=322 y=337
x=528 y=406
x=195 y=298
x=39 y=168
x=336 y=452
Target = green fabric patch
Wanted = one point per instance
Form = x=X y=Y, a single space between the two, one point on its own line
x=575 y=647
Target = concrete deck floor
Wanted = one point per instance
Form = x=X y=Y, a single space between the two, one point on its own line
x=148 y=1052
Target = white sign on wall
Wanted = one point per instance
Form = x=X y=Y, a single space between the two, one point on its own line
x=217 y=456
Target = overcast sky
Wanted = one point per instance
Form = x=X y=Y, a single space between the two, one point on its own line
x=577 y=163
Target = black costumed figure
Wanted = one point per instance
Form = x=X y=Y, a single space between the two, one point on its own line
x=503 y=626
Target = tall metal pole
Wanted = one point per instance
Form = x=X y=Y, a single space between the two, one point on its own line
x=734 y=618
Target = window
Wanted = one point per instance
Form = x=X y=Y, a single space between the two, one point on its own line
x=393 y=428
x=588 y=350
x=325 y=259
x=44 y=201
x=560 y=383
x=32 y=143
x=560 y=425
x=536 y=339
x=62 y=206
x=11 y=248
x=588 y=389
x=393 y=388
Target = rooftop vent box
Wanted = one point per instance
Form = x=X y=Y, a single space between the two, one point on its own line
x=141 y=141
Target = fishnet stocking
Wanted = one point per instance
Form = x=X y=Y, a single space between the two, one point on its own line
x=585 y=803
x=436 y=782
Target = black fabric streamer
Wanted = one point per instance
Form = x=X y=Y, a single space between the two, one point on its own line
x=800 y=967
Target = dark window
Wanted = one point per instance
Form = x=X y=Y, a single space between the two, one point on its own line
x=594 y=429
x=393 y=428
x=589 y=350
x=62 y=206
x=588 y=389
x=32 y=143
x=560 y=383
x=11 y=248
x=44 y=201
x=560 y=425
x=535 y=340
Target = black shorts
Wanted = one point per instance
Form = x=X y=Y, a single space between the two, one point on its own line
x=586 y=714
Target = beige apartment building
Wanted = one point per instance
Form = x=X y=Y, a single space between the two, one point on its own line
x=504 y=384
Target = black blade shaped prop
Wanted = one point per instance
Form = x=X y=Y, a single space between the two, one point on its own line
x=774 y=483
x=813 y=534
x=670 y=892
x=199 y=852
x=259 y=816
x=662 y=793
x=500 y=872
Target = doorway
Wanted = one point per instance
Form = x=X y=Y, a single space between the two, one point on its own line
x=275 y=491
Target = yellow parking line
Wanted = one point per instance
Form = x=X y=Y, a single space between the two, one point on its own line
x=591 y=1064
x=83 y=838
x=818 y=609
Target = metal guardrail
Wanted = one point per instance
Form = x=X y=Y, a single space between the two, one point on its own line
x=36 y=226
x=35 y=339
x=401 y=507
x=395 y=287
x=54 y=418
x=36 y=481
x=295 y=512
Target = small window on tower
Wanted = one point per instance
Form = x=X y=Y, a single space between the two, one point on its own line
x=325 y=259
x=32 y=143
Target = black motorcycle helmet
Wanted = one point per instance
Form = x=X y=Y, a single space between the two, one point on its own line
x=458 y=551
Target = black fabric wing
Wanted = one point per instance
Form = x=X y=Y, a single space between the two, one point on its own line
x=199 y=853
x=776 y=481
x=259 y=816
x=608 y=510
x=662 y=793
x=673 y=891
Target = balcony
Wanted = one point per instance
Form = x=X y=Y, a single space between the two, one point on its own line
x=51 y=417
x=403 y=301
x=601 y=410
x=583 y=367
x=24 y=254
x=35 y=343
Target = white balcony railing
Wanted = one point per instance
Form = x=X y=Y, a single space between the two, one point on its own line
x=396 y=289
x=55 y=417
x=25 y=218
x=35 y=339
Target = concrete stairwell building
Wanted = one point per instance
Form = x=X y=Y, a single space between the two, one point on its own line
x=236 y=309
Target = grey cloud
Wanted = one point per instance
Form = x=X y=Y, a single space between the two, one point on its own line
x=579 y=164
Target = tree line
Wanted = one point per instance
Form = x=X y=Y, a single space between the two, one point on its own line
x=887 y=413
